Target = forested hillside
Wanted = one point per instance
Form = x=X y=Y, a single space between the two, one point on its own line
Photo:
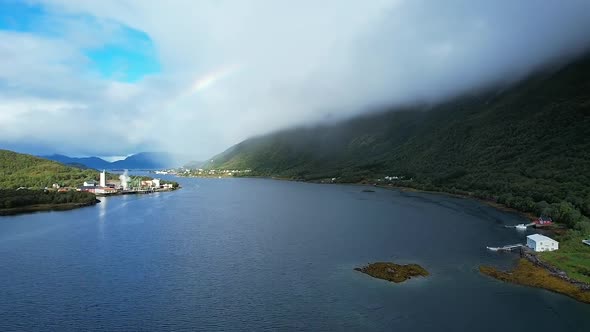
x=23 y=170
x=526 y=146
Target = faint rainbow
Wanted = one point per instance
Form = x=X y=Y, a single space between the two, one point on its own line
x=202 y=82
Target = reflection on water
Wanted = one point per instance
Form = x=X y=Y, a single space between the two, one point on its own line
x=102 y=215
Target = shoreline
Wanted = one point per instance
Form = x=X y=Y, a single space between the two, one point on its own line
x=527 y=215
x=67 y=206
x=137 y=192
x=45 y=208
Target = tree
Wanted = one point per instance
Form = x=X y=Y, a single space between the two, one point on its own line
x=568 y=214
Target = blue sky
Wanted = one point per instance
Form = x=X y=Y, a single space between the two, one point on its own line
x=128 y=56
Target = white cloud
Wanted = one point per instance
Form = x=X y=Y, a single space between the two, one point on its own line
x=232 y=69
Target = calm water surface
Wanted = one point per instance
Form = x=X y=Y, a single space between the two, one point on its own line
x=250 y=254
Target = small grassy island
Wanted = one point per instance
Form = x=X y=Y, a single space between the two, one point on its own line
x=528 y=274
x=393 y=272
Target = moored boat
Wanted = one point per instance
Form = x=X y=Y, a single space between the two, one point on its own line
x=543 y=222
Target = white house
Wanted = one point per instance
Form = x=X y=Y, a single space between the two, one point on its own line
x=90 y=183
x=539 y=242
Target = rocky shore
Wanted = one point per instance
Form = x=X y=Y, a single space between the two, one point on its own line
x=531 y=271
x=531 y=257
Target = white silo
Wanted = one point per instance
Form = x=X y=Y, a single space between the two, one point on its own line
x=103 y=178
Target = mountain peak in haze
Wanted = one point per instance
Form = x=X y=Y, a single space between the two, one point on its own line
x=141 y=160
x=90 y=162
x=147 y=160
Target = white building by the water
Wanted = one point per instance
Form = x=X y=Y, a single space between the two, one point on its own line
x=539 y=242
x=90 y=183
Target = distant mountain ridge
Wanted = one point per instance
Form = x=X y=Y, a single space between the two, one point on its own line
x=142 y=160
x=90 y=162
x=147 y=160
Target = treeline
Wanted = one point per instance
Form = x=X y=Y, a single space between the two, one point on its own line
x=10 y=199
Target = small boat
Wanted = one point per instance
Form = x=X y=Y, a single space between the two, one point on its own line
x=586 y=242
x=543 y=222
x=520 y=227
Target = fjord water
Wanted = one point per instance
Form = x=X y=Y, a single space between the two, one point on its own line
x=253 y=254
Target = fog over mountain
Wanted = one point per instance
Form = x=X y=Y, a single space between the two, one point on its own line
x=227 y=70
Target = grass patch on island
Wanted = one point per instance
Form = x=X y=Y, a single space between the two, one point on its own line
x=393 y=272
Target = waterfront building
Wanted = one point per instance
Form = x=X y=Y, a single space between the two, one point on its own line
x=98 y=190
x=539 y=242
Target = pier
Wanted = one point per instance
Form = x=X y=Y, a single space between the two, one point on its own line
x=509 y=247
x=520 y=225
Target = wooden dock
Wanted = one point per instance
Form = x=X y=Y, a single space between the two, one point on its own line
x=509 y=247
x=526 y=225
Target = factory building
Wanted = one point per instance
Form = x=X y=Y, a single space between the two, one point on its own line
x=126 y=182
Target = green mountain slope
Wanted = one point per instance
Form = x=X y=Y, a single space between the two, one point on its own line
x=22 y=170
x=527 y=146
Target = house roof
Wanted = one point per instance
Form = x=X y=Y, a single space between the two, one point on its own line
x=539 y=237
